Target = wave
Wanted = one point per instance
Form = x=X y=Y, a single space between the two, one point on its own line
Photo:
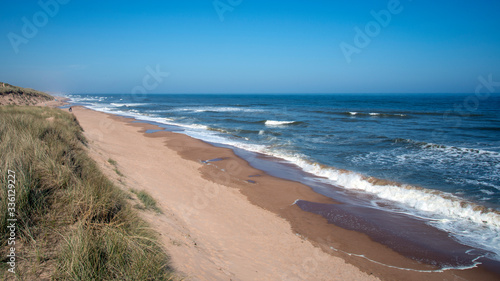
x=487 y=192
x=452 y=214
x=216 y=109
x=427 y=200
x=354 y=113
x=128 y=104
x=145 y=117
x=273 y=123
x=238 y=133
x=401 y=114
x=85 y=99
x=446 y=148
x=374 y=114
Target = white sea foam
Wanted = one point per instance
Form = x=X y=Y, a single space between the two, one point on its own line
x=273 y=123
x=483 y=183
x=217 y=109
x=127 y=104
x=422 y=156
x=418 y=198
x=474 y=264
x=79 y=98
x=450 y=149
x=169 y=121
x=354 y=113
x=487 y=192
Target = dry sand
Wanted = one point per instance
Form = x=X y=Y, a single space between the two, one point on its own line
x=218 y=226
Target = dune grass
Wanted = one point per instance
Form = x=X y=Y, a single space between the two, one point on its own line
x=115 y=165
x=6 y=88
x=22 y=95
x=72 y=222
x=147 y=200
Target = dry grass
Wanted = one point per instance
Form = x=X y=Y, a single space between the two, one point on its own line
x=14 y=95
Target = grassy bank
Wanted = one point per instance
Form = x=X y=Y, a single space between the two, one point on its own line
x=72 y=222
x=15 y=95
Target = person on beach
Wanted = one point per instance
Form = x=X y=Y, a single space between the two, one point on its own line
x=70 y=109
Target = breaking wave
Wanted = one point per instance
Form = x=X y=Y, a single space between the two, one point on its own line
x=448 y=149
x=273 y=123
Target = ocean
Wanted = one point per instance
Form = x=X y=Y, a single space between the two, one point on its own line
x=434 y=158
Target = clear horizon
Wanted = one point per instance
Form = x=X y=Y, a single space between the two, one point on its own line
x=241 y=47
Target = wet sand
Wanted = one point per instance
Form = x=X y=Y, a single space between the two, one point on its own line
x=223 y=219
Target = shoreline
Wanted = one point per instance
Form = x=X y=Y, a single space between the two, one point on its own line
x=278 y=196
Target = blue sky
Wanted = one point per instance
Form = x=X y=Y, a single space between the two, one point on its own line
x=253 y=46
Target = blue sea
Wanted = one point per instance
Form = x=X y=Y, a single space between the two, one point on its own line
x=431 y=156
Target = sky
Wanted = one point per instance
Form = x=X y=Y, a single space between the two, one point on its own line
x=249 y=46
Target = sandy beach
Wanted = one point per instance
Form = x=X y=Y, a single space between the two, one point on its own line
x=224 y=220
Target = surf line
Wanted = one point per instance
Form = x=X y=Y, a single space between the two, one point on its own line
x=474 y=265
x=474 y=261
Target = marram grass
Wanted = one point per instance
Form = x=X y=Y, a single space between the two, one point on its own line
x=72 y=222
x=147 y=200
x=6 y=89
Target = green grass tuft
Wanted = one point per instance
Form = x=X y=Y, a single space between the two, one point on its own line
x=115 y=164
x=147 y=200
x=112 y=162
